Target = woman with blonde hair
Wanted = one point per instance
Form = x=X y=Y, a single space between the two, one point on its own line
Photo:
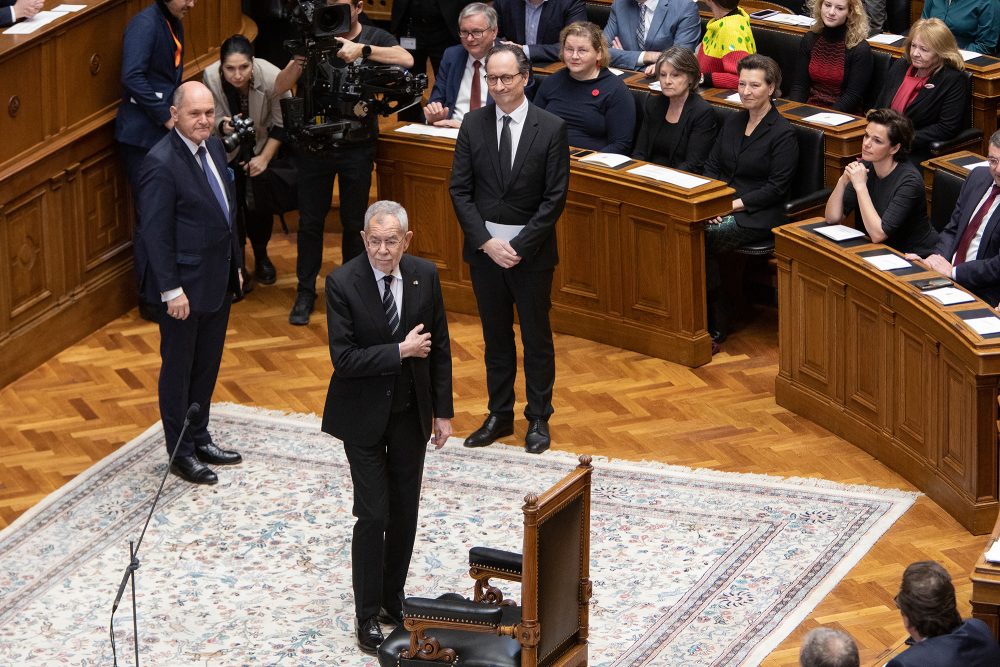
x=835 y=61
x=596 y=105
x=928 y=85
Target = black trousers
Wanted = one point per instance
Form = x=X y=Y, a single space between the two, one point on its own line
x=251 y=223
x=316 y=176
x=498 y=291
x=190 y=354
x=387 y=478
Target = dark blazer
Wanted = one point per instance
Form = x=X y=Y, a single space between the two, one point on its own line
x=149 y=77
x=556 y=15
x=365 y=357
x=759 y=167
x=6 y=15
x=970 y=645
x=697 y=128
x=936 y=111
x=448 y=78
x=981 y=275
x=450 y=9
x=534 y=196
x=675 y=23
x=182 y=237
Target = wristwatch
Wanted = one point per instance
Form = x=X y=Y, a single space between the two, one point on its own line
x=366 y=51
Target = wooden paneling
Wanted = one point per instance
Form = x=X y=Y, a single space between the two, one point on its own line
x=22 y=119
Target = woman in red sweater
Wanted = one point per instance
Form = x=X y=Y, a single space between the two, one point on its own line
x=726 y=42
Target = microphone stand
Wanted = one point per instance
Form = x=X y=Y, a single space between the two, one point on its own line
x=133 y=550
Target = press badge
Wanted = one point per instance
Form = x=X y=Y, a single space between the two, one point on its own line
x=408 y=43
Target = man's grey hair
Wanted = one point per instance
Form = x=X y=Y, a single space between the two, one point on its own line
x=475 y=8
x=995 y=139
x=826 y=647
x=384 y=207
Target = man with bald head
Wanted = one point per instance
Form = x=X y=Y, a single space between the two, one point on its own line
x=187 y=256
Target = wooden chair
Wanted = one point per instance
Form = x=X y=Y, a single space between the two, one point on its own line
x=549 y=627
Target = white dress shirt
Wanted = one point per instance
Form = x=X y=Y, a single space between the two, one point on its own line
x=974 y=243
x=516 y=125
x=396 y=288
x=650 y=8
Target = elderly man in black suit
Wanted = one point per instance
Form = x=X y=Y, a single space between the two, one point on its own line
x=968 y=249
x=391 y=381
x=535 y=25
x=187 y=254
x=508 y=186
x=12 y=11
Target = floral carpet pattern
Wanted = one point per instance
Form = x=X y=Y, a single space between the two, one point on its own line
x=690 y=567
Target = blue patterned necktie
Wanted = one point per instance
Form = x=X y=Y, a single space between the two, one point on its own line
x=389 y=304
x=213 y=183
x=640 y=29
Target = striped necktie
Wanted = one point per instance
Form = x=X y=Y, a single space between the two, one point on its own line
x=640 y=28
x=389 y=304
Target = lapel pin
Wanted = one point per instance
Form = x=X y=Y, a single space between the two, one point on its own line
x=416 y=282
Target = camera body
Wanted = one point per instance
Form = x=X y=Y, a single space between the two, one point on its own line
x=243 y=137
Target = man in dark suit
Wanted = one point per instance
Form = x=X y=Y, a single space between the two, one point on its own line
x=426 y=28
x=12 y=11
x=535 y=25
x=664 y=24
x=938 y=635
x=391 y=381
x=968 y=249
x=508 y=184
x=459 y=86
x=186 y=255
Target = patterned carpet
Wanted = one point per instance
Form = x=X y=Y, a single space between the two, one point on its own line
x=690 y=567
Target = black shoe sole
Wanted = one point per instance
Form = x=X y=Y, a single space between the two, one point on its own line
x=194 y=481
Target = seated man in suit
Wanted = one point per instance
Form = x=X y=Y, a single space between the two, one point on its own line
x=968 y=249
x=459 y=87
x=638 y=31
x=12 y=11
x=938 y=635
x=534 y=25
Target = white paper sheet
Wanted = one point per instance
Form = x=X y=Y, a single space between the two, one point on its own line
x=976 y=165
x=68 y=8
x=655 y=86
x=887 y=262
x=884 y=38
x=503 y=232
x=984 y=325
x=735 y=97
x=429 y=130
x=616 y=71
x=671 y=176
x=606 y=159
x=993 y=555
x=791 y=19
x=948 y=296
x=839 y=232
x=28 y=26
x=968 y=55
x=829 y=118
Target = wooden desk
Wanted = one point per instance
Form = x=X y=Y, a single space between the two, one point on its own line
x=866 y=355
x=986 y=588
x=65 y=214
x=631 y=250
x=955 y=163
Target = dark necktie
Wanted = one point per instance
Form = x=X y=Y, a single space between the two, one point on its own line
x=476 y=97
x=389 y=304
x=505 y=150
x=213 y=183
x=974 y=225
x=640 y=29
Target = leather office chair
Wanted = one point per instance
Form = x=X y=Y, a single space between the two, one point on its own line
x=881 y=62
x=969 y=138
x=640 y=97
x=897 y=16
x=944 y=197
x=598 y=13
x=551 y=624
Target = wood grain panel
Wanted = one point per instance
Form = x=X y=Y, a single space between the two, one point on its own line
x=911 y=389
x=813 y=363
x=30 y=250
x=865 y=390
x=646 y=242
x=434 y=239
x=107 y=221
x=576 y=282
x=955 y=454
x=91 y=66
x=23 y=113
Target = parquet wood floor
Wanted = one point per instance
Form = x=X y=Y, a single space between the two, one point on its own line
x=100 y=393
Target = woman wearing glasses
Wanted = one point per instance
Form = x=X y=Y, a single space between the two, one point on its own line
x=596 y=104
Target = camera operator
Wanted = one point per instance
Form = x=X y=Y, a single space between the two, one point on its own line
x=350 y=160
x=244 y=86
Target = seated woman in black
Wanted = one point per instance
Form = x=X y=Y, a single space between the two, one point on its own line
x=596 y=105
x=756 y=154
x=927 y=86
x=835 y=61
x=678 y=126
x=885 y=188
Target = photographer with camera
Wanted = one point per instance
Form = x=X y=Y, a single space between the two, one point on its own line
x=250 y=124
x=350 y=157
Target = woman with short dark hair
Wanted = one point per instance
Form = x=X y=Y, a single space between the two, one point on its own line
x=678 y=126
x=885 y=188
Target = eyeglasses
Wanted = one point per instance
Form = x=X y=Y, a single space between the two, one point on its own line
x=375 y=244
x=993 y=161
x=578 y=52
x=492 y=79
x=475 y=34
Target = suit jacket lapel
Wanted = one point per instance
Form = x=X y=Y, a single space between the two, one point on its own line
x=762 y=129
x=528 y=134
x=658 y=16
x=364 y=282
x=219 y=156
x=197 y=173
x=411 y=295
x=492 y=141
x=520 y=34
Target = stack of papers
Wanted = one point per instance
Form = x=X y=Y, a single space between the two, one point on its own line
x=888 y=262
x=948 y=296
x=976 y=165
x=791 y=19
x=829 y=118
x=993 y=555
x=616 y=71
x=885 y=38
x=839 y=232
x=968 y=55
x=28 y=26
x=655 y=86
x=984 y=326
x=735 y=98
x=606 y=159
x=671 y=176
x=429 y=130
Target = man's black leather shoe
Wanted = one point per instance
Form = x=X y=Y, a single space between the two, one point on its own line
x=193 y=470
x=369 y=635
x=302 y=309
x=495 y=426
x=221 y=457
x=264 y=271
x=537 y=440
x=390 y=617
